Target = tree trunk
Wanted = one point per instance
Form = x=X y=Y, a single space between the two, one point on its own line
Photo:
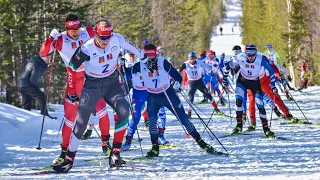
x=291 y=69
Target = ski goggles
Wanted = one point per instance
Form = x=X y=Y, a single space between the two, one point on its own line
x=73 y=30
x=104 y=38
x=235 y=52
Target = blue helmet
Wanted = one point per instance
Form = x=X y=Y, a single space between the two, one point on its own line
x=192 y=55
x=269 y=46
x=145 y=42
x=169 y=58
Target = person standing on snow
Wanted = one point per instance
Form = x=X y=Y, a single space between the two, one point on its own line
x=221 y=29
x=100 y=56
x=156 y=71
x=67 y=43
x=304 y=76
x=28 y=83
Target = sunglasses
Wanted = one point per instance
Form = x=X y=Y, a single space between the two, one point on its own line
x=251 y=55
x=215 y=65
x=104 y=37
x=73 y=30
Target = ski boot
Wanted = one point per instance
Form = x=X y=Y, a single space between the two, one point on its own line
x=292 y=119
x=244 y=117
x=126 y=146
x=252 y=127
x=218 y=111
x=86 y=135
x=223 y=101
x=203 y=145
x=278 y=113
x=189 y=114
x=66 y=164
x=61 y=157
x=154 y=150
x=268 y=132
x=162 y=140
x=114 y=158
x=204 y=101
x=146 y=123
x=105 y=145
x=238 y=129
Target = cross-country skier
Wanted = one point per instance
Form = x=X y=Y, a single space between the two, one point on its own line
x=212 y=74
x=194 y=72
x=265 y=82
x=100 y=56
x=67 y=43
x=155 y=72
x=250 y=63
x=274 y=56
x=28 y=83
x=139 y=97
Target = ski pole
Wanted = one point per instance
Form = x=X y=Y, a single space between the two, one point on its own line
x=60 y=127
x=205 y=125
x=174 y=110
x=191 y=105
x=229 y=107
x=297 y=105
x=47 y=95
x=274 y=97
x=183 y=94
x=131 y=108
x=214 y=109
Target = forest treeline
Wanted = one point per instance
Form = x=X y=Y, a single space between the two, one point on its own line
x=177 y=25
x=291 y=26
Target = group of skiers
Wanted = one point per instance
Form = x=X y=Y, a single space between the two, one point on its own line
x=102 y=66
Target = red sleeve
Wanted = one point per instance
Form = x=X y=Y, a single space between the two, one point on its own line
x=90 y=31
x=276 y=71
x=49 y=45
x=71 y=81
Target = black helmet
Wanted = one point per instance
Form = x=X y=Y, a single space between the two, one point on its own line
x=236 y=47
x=251 y=49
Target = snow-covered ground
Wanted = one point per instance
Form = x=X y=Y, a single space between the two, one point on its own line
x=258 y=157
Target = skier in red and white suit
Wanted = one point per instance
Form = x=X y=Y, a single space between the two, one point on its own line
x=67 y=43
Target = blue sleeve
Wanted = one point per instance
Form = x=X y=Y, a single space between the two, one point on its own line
x=221 y=63
x=266 y=65
x=132 y=70
x=172 y=71
x=182 y=67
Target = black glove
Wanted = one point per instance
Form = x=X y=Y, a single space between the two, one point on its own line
x=289 y=78
x=281 y=80
x=274 y=90
x=73 y=97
